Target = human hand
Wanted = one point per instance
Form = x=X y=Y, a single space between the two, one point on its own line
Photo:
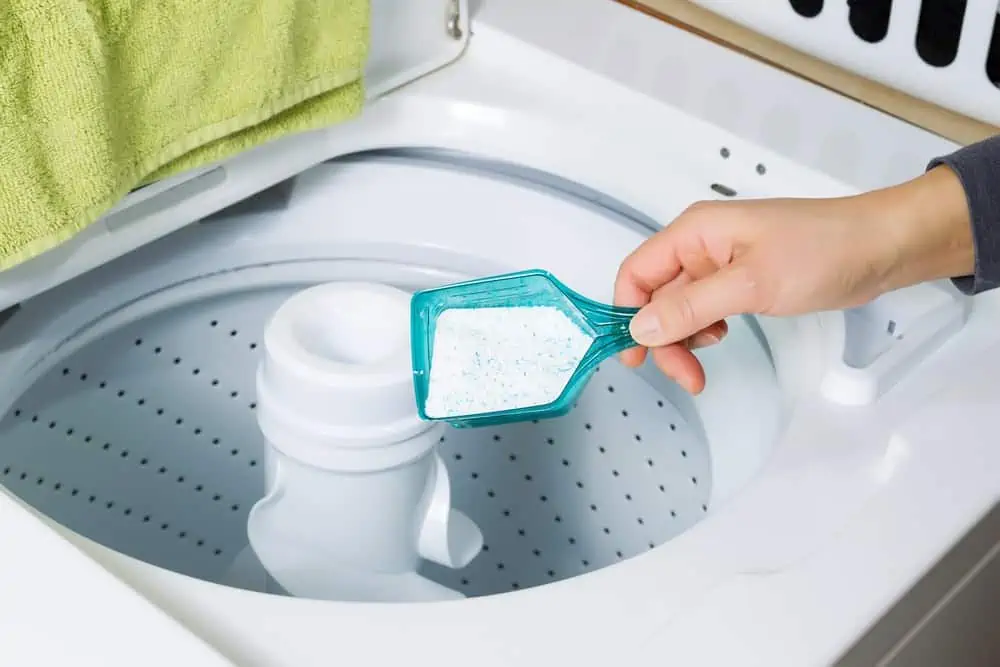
x=786 y=257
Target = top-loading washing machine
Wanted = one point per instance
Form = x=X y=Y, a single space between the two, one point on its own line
x=772 y=520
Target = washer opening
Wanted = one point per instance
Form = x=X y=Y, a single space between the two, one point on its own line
x=138 y=430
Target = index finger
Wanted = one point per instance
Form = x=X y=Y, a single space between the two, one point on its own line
x=650 y=266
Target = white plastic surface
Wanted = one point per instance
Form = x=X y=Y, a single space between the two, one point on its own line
x=355 y=493
x=335 y=384
x=962 y=85
x=411 y=39
x=51 y=589
x=408 y=41
x=846 y=507
x=890 y=337
x=359 y=537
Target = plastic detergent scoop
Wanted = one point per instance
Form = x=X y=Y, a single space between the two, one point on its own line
x=508 y=348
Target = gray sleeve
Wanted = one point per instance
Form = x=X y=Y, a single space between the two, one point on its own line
x=978 y=168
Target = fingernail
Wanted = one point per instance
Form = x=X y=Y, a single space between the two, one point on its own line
x=705 y=339
x=687 y=384
x=645 y=328
x=627 y=360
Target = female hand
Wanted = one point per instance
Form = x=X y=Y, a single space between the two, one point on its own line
x=786 y=257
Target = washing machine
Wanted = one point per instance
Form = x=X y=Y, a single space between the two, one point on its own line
x=803 y=510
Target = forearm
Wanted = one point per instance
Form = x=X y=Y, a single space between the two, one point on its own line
x=978 y=169
x=943 y=224
x=926 y=228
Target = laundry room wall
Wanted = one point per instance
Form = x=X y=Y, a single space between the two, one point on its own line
x=693 y=18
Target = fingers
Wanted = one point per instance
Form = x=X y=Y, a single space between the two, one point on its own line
x=667 y=261
x=678 y=247
x=680 y=313
x=639 y=276
x=678 y=363
x=651 y=265
x=635 y=356
x=708 y=336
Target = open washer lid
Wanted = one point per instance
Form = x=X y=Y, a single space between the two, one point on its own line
x=408 y=41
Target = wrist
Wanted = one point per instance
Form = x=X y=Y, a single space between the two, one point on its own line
x=924 y=231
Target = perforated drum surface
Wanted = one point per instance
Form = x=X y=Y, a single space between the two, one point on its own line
x=146 y=441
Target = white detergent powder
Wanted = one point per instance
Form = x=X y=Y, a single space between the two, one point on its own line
x=491 y=359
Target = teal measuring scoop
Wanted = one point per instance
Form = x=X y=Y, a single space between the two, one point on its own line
x=607 y=327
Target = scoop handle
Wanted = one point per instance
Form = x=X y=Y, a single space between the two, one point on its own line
x=611 y=326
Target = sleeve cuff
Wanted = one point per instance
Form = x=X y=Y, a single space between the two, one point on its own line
x=978 y=169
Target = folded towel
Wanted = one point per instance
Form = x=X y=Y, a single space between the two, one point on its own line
x=98 y=97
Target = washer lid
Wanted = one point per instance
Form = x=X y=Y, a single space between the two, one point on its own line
x=408 y=40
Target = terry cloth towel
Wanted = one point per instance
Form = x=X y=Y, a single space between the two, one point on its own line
x=98 y=97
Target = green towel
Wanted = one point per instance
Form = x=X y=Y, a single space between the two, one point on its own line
x=98 y=97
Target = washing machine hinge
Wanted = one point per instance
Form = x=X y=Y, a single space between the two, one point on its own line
x=454 y=26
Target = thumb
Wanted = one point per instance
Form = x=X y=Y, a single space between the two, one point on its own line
x=677 y=314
